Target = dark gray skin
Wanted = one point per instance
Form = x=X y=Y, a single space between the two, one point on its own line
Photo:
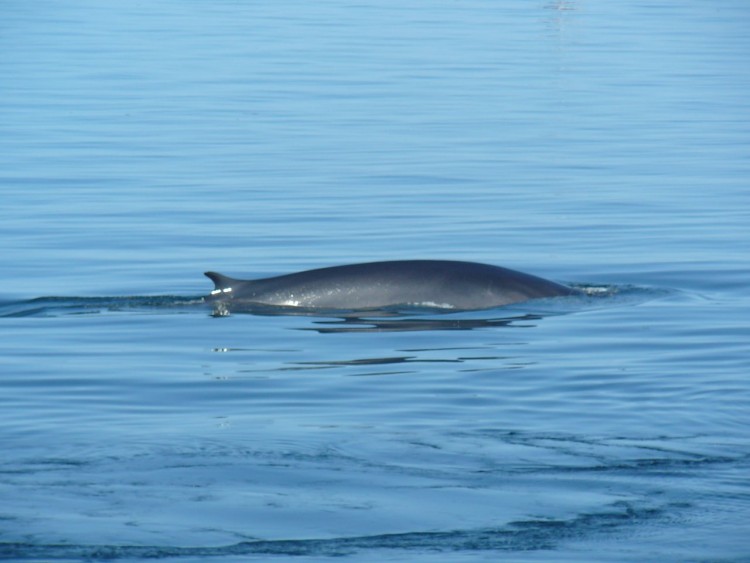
x=377 y=285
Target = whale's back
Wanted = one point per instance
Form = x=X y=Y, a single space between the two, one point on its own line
x=428 y=283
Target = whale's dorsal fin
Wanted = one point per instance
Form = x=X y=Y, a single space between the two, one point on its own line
x=223 y=283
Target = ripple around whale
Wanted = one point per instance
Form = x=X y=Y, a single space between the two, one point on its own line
x=393 y=319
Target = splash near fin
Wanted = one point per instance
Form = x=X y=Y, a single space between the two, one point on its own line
x=223 y=284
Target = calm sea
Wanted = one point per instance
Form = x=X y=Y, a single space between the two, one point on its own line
x=601 y=144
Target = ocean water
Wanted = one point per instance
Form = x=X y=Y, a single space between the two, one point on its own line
x=605 y=145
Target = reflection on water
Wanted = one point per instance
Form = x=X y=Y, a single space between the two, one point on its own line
x=361 y=324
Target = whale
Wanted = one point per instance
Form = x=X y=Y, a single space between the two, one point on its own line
x=440 y=284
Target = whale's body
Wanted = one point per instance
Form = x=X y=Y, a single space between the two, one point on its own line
x=377 y=285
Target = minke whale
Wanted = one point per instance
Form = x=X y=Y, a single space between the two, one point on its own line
x=444 y=284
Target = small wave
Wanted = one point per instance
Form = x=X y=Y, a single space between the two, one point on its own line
x=521 y=536
x=610 y=291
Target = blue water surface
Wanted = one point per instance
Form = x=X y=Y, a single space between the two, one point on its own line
x=604 y=145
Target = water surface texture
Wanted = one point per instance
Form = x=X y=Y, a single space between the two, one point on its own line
x=599 y=144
